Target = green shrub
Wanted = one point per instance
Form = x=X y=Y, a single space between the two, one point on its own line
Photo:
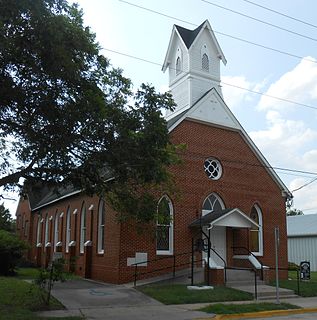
x=11 y=251
x=293 y=266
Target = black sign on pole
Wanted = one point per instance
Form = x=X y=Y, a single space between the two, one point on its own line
x=305 y=270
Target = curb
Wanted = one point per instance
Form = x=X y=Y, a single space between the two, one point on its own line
x=261 y=314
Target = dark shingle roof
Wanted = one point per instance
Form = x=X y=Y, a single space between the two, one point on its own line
x=188 y=36
x=209 y=217
x=175 y=119
x=41 y=194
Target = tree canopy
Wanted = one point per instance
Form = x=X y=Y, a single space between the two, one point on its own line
x=294 y=212
x=67 y=116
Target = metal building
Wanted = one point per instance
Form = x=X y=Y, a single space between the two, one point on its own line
x=302 y=239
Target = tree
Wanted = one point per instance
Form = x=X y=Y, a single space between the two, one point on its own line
x=68 y=117
x=11 y=252
x=294 y=212
x=5 y=219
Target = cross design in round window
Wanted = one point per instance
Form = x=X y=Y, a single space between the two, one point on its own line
x=213 y=168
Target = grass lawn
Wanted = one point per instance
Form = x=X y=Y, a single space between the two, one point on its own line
x=293 y=275
x=179 y=294
x=220 y=308
x=306 y=288
x=19 y=300
x=31 y=273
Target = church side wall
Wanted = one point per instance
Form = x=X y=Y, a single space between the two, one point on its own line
x=105 y=266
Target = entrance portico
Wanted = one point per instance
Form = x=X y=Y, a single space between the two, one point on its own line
x=213 y=225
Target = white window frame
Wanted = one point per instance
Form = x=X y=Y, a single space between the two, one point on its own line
x=178 y=62
x=204 y=51
x=217 y=198
x=56 y=230
x=39 y=232
x=68 y=229
x=83 y=227
x=171 y=228
x=46 y=229
x=260 y=231
x=101 y=227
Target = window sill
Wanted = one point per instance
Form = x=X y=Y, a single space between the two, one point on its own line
x=164 y=253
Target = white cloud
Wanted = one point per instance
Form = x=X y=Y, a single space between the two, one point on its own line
x=232 y=92
x=283 y=140
x=299 y=85
x=291 y=142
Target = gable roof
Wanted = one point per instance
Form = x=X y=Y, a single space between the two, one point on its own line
x=220 y=115
x=304 y=225
x=188 y=37
x=224 y=218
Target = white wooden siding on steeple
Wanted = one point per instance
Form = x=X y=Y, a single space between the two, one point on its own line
x=193 y=81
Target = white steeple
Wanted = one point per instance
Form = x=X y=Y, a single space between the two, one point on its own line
x=193 y=59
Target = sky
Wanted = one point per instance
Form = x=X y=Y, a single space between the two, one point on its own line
x=279 y=61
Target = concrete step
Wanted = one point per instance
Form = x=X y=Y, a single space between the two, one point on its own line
x=241 y=277
x=247 y=282
x=265 y=292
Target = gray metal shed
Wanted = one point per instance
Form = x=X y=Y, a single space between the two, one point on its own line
x=302 y=239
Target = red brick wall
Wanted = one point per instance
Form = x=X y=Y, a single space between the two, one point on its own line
x=241 y=186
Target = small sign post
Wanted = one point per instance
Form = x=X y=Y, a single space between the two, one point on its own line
x=305 y=270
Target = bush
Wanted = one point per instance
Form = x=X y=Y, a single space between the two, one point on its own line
x=293 y=266
x=11 y=251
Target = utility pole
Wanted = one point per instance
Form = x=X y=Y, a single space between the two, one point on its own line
x=277 y=244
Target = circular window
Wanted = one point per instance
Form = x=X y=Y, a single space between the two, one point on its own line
x=213 y=168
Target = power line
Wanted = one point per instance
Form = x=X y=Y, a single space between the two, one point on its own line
x=281 y=14
x=221 y=33
x=259 y=20
x=234 y=161
x=305 y=185
x=224 y=83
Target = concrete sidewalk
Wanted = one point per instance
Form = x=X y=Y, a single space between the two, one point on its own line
x=95 y=300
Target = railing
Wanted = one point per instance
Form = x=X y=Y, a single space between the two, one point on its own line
x=250 y=253
x=173 y=266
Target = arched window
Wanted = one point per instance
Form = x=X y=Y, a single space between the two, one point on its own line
x=205 y=62
x=256 y=233
x=101 y=227
x=56 y=230
x=178 y=61
x=68 y=228
x=39 y=232
x=212 y=203
x=178 y=65
x=204 y=54
x=164 y=228
x=82 y=227
x=47 y=239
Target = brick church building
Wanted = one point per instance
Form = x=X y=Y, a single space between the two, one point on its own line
x=227 y=191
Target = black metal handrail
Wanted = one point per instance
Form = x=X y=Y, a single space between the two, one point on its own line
x=160 y=269
x=251 y=253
